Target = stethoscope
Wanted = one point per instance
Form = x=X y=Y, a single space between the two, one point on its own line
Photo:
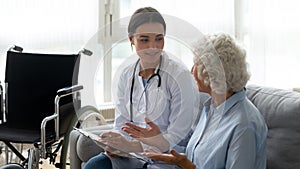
x=132 y=84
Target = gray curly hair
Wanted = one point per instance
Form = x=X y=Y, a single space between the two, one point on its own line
x=221 y=63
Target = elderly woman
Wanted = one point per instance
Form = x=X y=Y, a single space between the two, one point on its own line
x=231 y=132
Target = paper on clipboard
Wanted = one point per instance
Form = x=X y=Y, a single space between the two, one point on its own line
x=95 y=138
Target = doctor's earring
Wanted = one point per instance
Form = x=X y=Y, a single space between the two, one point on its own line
x=131 y=46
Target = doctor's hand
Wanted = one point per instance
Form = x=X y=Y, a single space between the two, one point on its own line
x=116 y=141
x=151 y=136
x=174 y=157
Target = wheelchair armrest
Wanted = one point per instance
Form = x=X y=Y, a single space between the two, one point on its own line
x=69 y=90
x=60 y=93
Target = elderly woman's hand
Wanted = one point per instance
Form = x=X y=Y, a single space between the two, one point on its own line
x=172 y=158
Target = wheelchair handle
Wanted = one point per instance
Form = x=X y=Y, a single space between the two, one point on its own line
x=68 y=90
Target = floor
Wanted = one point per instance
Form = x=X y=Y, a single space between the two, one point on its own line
x=45 y=163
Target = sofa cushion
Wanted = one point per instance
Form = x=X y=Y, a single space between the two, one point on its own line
x=281 y=110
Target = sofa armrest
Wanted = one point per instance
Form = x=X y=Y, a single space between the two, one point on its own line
x=83 y=148
x=75 y=162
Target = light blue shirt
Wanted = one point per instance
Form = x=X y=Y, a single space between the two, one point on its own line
x=236 y=138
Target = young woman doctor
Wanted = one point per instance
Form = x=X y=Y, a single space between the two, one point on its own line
x=154 y=88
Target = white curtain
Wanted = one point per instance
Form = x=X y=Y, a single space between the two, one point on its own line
x=273 y=40
x=208 y=16
x=54 y=26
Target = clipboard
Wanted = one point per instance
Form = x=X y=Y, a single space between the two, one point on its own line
x=95 y=138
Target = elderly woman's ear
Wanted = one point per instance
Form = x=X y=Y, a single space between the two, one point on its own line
x=202 y=85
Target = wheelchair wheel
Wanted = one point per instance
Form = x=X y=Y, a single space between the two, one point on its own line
x=78 y=121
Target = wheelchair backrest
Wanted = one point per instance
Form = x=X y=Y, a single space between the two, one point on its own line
x=32 y=81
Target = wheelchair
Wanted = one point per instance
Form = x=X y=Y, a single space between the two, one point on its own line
x=40 y=105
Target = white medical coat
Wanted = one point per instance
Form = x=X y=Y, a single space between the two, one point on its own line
x=173 y=106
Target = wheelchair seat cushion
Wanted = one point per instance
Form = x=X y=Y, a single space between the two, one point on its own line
x=21 y=135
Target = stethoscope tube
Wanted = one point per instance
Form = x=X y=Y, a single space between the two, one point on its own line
x=132 y=84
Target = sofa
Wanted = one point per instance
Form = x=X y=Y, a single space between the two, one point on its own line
x=280 y=108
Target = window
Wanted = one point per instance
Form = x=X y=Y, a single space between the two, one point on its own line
x=65 y=26
x=212 y=16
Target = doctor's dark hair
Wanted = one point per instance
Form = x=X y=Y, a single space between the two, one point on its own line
x=145 y=15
